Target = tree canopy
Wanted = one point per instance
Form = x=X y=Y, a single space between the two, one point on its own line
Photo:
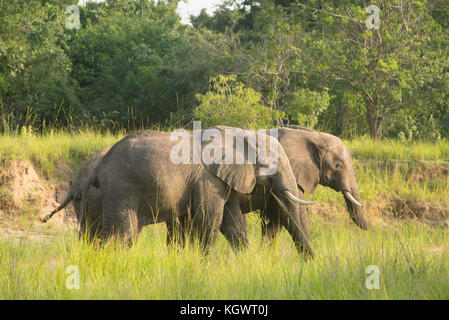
x=318 y=63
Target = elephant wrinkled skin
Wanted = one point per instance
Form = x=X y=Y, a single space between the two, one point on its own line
x=140 y=185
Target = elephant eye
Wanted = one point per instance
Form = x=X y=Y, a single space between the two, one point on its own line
x=339 y=166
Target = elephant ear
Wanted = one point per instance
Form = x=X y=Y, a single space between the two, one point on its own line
x=237 y=166
x=304 y=154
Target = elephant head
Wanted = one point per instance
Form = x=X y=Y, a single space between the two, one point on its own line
x=259 y=159
x=321 y=158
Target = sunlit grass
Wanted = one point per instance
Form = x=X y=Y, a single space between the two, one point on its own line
x=412 y=260
x=365 y=148
x=45 y=151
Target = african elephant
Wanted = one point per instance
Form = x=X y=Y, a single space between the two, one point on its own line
x=139 y=171
x=91 y=226
x=315 y=158
x=95 y=210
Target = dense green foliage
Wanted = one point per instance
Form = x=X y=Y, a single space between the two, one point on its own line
x=132 y=64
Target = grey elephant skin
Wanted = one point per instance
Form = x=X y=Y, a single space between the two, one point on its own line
x=91 y=226
x=315 y=158
x=140 y=185
x=92 y=223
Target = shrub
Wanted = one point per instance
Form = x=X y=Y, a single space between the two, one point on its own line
x=228 y=102
x=307 y=105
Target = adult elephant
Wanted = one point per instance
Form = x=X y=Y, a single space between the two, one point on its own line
x=315 y=158
x=91 y=226
x=141 y=184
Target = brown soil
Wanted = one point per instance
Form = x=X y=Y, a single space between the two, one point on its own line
x=24 y=192
x=423 y=211
x=430 y=171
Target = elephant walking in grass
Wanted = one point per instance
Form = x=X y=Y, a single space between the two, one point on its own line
x=315 y=158
x=91 y=226
x=140 y=184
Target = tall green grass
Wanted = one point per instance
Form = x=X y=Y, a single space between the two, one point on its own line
x=365 y=148
x=412 y=260
x=45 y=151
x=407 y=181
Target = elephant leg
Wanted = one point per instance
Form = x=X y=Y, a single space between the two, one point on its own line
x=120 y=215
x=304 y=245
x=88 y=226
x=207 y=215
x=244 y=222
x=304 y=217
x=271 y=221
x=293 y=221
x=233 y=225
x=300 y=235
x=175 y=232
x=92 y=228
x=179 y=229
x=187 y=227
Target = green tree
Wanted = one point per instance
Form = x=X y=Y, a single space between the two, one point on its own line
x=136 y=59
x=390 y=66
x=35 y=81
x=306 y=106
x=229 y=102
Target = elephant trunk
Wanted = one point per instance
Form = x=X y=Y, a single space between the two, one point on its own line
x=353 y=203
x=294 y=219
x=298 y=227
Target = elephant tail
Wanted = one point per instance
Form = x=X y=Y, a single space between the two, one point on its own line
x=62 y=206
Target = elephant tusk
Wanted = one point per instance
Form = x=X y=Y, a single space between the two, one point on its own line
x=351 y=198
x=294 y=198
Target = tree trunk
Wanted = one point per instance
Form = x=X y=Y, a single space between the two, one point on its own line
x=375 y=123
x=340 y=116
